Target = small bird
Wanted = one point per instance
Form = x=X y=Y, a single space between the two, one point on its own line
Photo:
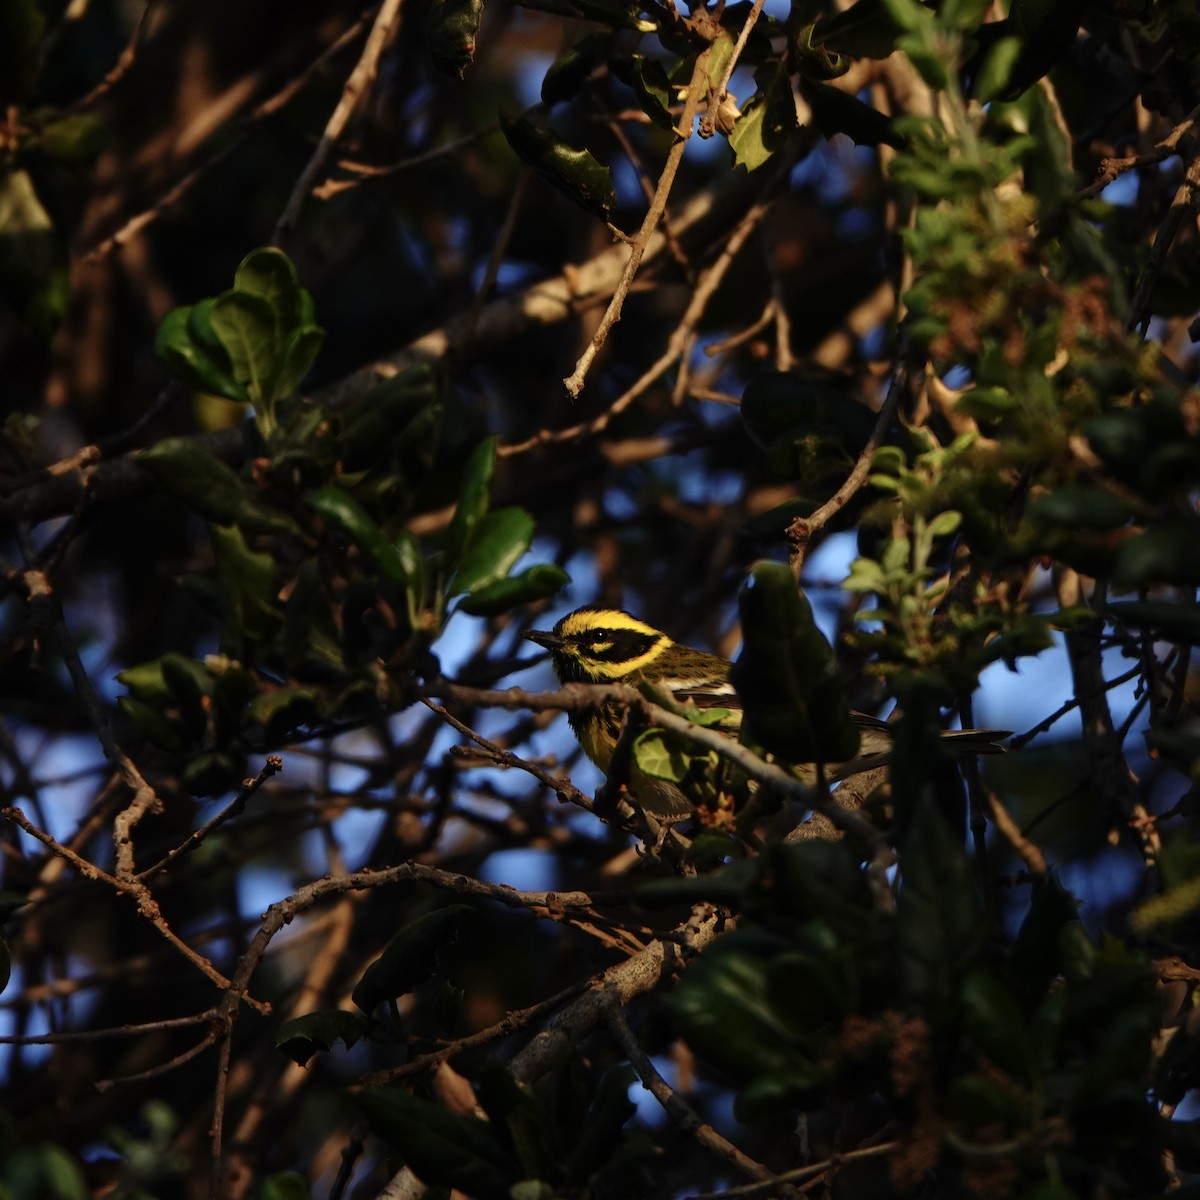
x=595 y=644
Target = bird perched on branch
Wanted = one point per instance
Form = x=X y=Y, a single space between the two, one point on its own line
x=601 y=645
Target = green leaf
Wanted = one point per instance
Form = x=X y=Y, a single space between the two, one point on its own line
x=210 y=774
x=453 y=29
x=184 y=354
x=247 y=327
x=392 y=417
x=600 y=1130
x=299 y=355
x=191 y=686
x=997 y=1024
x=248 y=587
x=302 y=1037
x=613 y=13
x=812 y=60
x=523 y=1117
x=864 y=30
x=76 y=138
x=441 y=1149
x=573 y=172
x=1037 y=952
x=1045 y=28
x=159 y=730
x=661 y=756
x=10 y=902
x=787 y=678
x=567 y=73
x=723 y=1008
x=474 y=496
x=1176 y=622
x=410 y=957
x=785 y=405
x=284 y=1185
x=499 y=540
x=835 y=111
x=282 y=710
x=652 y=88
x=1081 y=506
x=997 y=70
x=269 y=274
x=534 y=583
x=342 y=508
x=1162 y=554
x=22 y=43
x=768 y=118
x=939 y=923
x=186 y=470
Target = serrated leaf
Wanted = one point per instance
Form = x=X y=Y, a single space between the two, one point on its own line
x=793 y=701
x=864 y=30
x=652 y=88
x=566 y=74
x=534 y=583
x=453 y=29
x=302 y=1037
x=768 y=118
x=659 y=755
x=613 y=13
x=573 y=172
x=499 y=540
x=814 y=60
x=410 y=957
x=835 y=111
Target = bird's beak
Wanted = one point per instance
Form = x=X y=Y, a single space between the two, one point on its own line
x=551 y=641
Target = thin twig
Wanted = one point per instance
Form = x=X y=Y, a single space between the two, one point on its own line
x=137 y=223
x=703 y=292
x=674 y=1105
x=717 y=97
x=273 y=765
x=146 y=904
x=683 y=131
x=1112 y=168
x=801 y=530
x=120 y=67
x=357 y=85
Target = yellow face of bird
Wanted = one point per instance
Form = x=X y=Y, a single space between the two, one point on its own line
x=601 y=645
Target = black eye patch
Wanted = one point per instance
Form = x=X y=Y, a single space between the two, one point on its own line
x=616 y=645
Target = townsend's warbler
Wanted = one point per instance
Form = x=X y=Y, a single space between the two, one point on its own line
x=605 y=645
